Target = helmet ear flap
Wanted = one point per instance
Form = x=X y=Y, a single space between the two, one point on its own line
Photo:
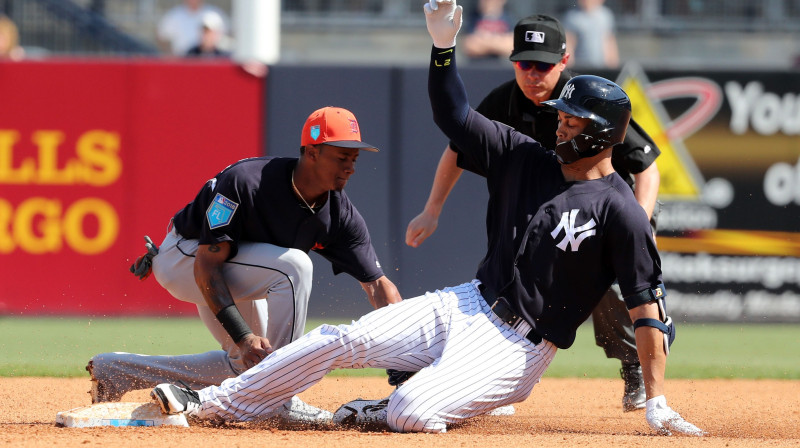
x=583 y=145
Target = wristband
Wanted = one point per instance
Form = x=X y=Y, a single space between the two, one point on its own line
x=233 y=323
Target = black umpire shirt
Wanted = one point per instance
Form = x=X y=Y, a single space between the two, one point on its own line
x=253 y=200
x=554 y=246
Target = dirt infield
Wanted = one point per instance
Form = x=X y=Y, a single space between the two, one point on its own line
x=560 y=412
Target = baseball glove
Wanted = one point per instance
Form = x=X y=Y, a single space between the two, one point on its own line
x=143 y=265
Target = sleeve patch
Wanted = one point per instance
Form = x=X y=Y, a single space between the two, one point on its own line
x=220 y=212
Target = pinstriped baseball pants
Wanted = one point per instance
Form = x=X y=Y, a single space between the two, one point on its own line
x=469 y=363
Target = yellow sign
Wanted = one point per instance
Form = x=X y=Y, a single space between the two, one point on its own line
x=680 y=178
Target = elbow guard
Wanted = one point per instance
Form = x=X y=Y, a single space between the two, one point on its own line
x=665 y=323
x=666 y=327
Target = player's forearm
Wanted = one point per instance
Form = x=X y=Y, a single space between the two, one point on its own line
x=646 y=191
x=208 y=265
x=381 y=292
x=447 y=93
x=650 y=347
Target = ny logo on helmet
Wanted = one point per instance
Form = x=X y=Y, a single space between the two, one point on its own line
x=568 y=91
x=573 y=235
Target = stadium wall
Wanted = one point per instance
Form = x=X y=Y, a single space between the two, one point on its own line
x=95 y=155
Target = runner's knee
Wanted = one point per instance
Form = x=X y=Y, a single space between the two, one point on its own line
x=403 y=415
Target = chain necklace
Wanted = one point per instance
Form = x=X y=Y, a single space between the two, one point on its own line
x=310 y=207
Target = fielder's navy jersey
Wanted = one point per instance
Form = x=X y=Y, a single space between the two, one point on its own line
x=508 y=104
x=253 y=200
x=554 y=247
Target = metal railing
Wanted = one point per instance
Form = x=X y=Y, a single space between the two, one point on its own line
x=128 y=26
x=64 y=26
x=644 y=16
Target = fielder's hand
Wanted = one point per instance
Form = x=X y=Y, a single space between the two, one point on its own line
x=143 y=265
x=253 y=349
x=443 y=18
x=663 y=419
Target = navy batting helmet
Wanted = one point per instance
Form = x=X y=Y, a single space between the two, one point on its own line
x=605 y=104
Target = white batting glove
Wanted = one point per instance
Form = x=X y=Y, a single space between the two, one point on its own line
x=443 y=18
x=662 y=418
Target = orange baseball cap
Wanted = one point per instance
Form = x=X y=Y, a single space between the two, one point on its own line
x=333 y=126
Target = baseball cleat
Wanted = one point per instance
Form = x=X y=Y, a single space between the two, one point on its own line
x=174 y=400
x=296 y=412
x=635 y=395
x=503 y=410
x=368 y=414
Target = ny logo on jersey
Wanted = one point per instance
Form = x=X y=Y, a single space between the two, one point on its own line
x=568 y=224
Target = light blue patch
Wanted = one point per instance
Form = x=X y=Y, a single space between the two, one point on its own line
x=315 y=132
x=220 y=212
x=127 y=422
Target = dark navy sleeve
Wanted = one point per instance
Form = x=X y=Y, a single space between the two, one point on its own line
x=225 y=213
x=478 y=140
x=350 y=250
x=634 y=255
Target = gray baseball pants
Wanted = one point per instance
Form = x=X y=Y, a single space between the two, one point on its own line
x=271 y=286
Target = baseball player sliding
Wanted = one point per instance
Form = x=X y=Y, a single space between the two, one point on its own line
x=239 y=252
x=565 y=226
x=539 y=59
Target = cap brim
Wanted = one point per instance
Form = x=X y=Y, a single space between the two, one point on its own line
x=353 y=144
x=541 y=56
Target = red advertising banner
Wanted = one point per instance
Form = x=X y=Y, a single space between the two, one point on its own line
x=96 y=154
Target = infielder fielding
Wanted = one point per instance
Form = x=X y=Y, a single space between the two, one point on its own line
x=239 y=252
x=566 y=225
x=539 y=58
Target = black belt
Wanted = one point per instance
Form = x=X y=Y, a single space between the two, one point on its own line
x=503 y=310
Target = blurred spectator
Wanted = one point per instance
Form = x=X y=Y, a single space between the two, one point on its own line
x=9 y=40
x=490 y=31
x=590 y=35
x=179 y=29
x=211 y=34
